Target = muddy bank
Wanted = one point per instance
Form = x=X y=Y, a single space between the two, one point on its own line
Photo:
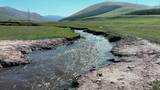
x=136 y=65
x=12 y=52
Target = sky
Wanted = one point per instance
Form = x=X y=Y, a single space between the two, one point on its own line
x=61 y=7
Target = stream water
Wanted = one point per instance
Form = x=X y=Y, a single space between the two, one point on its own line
x=54 y=69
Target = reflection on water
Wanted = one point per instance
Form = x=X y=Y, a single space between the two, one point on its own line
x=54 y=69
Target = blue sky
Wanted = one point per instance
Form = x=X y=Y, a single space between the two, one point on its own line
x=61 y=7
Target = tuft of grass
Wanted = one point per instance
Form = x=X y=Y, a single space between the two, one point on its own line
x=34 y=32
x=156 y=85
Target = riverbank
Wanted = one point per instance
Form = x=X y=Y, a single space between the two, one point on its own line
x=12 y=52
x=146 y=27
x=16 y=41
x=136 y=65
x=56 y=68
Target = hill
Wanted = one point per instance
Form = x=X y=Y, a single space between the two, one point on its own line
x=155 y=11
x=106 y=9
x=11 y=14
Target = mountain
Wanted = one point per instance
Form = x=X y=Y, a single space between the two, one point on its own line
x=8 y=13
x=155 y=11
x=53 y=17
x=106 y=9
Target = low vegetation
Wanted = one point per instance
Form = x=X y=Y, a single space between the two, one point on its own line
x=34 y=32
x=156 y=85
x=146 y=27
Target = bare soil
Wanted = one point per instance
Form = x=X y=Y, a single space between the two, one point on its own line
x=137 y=64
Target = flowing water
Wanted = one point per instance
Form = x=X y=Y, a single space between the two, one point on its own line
x=54 y=69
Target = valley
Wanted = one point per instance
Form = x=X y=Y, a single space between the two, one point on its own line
x=116 y=47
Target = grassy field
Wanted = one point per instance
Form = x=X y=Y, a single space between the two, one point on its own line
x=147 y=27
x=34 y=32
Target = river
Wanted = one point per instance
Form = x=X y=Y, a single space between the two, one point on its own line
x=54 y=69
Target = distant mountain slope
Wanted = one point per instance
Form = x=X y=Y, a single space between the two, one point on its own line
x=106 y=9
x=53 y=17
x=146 y=12
x=7 y=13
x=119 y=11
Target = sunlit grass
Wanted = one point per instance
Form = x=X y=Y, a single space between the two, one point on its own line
x=34 y=32
x=147 y=27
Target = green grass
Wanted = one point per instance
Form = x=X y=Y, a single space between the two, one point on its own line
x=34 y=32
x=156 y=85
x=147 y=27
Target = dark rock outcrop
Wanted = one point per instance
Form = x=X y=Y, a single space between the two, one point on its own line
x=113 y=38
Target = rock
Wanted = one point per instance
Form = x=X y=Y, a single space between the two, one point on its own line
x=10 y=64
x=115 y=60
x=1 y=66
x=23 y=52
x=130 y=67
x=47 y=84
x=92 y=69
x=98 y=82
x=112 y=82
x=113 y=38
x=75 y=83
x=99 y=74
x=5 y=64
x=157 y=61
x=120 y=79
x=46 y=48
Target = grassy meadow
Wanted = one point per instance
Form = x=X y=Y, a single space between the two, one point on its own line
x=143 y=26
x=34 y=32
x=147 y=27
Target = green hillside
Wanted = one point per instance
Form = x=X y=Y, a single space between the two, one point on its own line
x=143 y=26
x=106 y=9
x=146 y=12
x=117 y=12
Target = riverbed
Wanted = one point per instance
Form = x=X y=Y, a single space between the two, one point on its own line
x=55 y=69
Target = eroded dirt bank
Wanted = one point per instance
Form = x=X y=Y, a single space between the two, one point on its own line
x=136 y=65
x=12 y=53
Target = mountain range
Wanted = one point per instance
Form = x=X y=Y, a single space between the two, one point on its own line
x=11 y=14
x=100 y=10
